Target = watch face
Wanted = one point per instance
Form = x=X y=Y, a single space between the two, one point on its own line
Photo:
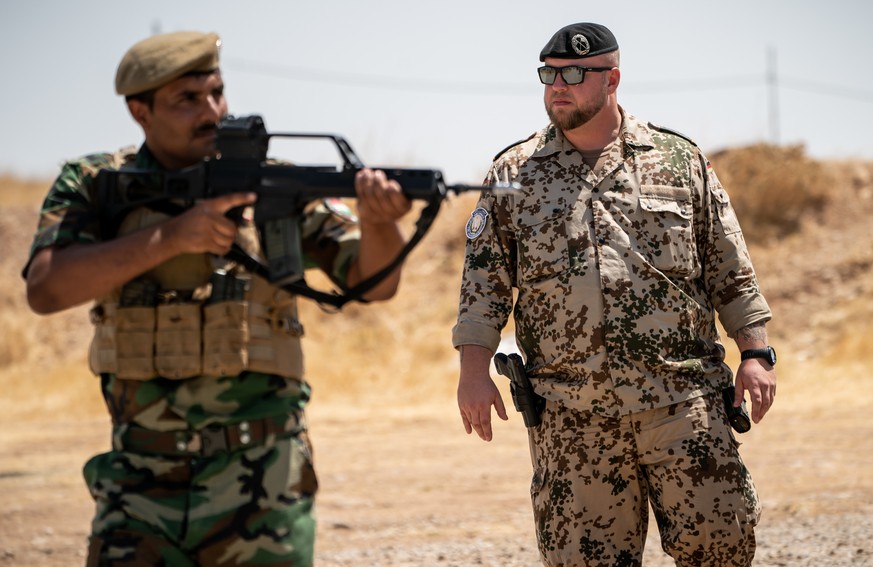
x=772 y=352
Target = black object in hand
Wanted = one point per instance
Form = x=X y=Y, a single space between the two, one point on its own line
x=738 y=417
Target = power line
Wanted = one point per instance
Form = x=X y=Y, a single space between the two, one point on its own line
x=710 y=84
x=829 y=90
x=334 y=77
x=337 y=77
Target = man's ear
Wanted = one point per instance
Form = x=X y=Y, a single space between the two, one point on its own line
x=139 y=111
x=614 y=79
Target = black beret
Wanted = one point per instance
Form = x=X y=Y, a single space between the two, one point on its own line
x=579 y=40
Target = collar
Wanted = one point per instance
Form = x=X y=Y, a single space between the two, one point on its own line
x=146 y=160
x=634 y=136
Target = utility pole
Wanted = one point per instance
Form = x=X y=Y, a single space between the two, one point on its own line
x=773 y=95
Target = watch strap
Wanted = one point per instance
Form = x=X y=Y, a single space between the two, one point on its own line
x=767 y=353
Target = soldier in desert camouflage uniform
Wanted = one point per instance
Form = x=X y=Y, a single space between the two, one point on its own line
x=210 y=462
x=621 y=248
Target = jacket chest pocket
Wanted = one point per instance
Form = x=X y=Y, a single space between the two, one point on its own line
x=666 y=231
x=542 y=246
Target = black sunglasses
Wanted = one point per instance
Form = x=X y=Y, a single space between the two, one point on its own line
x=572 y=74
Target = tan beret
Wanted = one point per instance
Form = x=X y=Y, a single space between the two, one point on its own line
x=156 y=61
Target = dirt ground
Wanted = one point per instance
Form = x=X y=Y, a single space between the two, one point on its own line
x=404 y=486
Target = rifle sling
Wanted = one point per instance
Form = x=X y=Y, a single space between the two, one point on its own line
x=355 y=293
x=300 y=287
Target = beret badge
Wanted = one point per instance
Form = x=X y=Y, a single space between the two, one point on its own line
x=579 y=40
x=580 y=44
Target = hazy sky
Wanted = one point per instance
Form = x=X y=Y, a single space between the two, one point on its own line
x=445 y=84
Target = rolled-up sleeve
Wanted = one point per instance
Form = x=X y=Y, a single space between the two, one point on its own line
x=729 y=275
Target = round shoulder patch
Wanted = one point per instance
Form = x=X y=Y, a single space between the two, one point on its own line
x=477 y=222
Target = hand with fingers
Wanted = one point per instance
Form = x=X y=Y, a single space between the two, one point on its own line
x=380 y=200
x=205 y=227
x=759 y=379
x=477 y=392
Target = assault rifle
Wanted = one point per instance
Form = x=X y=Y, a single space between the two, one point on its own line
x=283 y=192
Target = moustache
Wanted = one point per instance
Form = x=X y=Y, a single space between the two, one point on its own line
x=207 y=128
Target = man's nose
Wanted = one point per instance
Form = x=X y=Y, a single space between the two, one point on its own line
x=559 y=83
x=215 y=107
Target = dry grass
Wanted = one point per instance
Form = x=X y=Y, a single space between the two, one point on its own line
x=388 y=370
x=398 y=350
x=774 y=189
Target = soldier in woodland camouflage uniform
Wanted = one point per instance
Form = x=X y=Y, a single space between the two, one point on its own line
x=621 y=248
x=210 y=462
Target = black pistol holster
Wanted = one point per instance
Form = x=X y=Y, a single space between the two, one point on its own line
x=526 y=401
x=738 y=417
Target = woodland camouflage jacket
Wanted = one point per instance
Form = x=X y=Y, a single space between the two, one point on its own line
x=71 y=215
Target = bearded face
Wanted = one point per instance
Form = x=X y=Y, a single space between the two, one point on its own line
x=567 y=113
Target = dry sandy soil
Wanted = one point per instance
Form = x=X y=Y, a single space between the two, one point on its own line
x=406 y=487
x=402 y=485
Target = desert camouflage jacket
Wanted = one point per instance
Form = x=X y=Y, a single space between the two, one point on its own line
x=70 y=214
x=618 y=272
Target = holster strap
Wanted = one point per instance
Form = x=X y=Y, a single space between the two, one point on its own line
x=208 y=441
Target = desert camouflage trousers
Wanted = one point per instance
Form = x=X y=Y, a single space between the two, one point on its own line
x=252 y=506
x=594 y=479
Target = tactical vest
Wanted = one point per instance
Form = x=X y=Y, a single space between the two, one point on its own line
x=190 y=317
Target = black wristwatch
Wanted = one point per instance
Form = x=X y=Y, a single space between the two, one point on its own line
x=768 y=354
